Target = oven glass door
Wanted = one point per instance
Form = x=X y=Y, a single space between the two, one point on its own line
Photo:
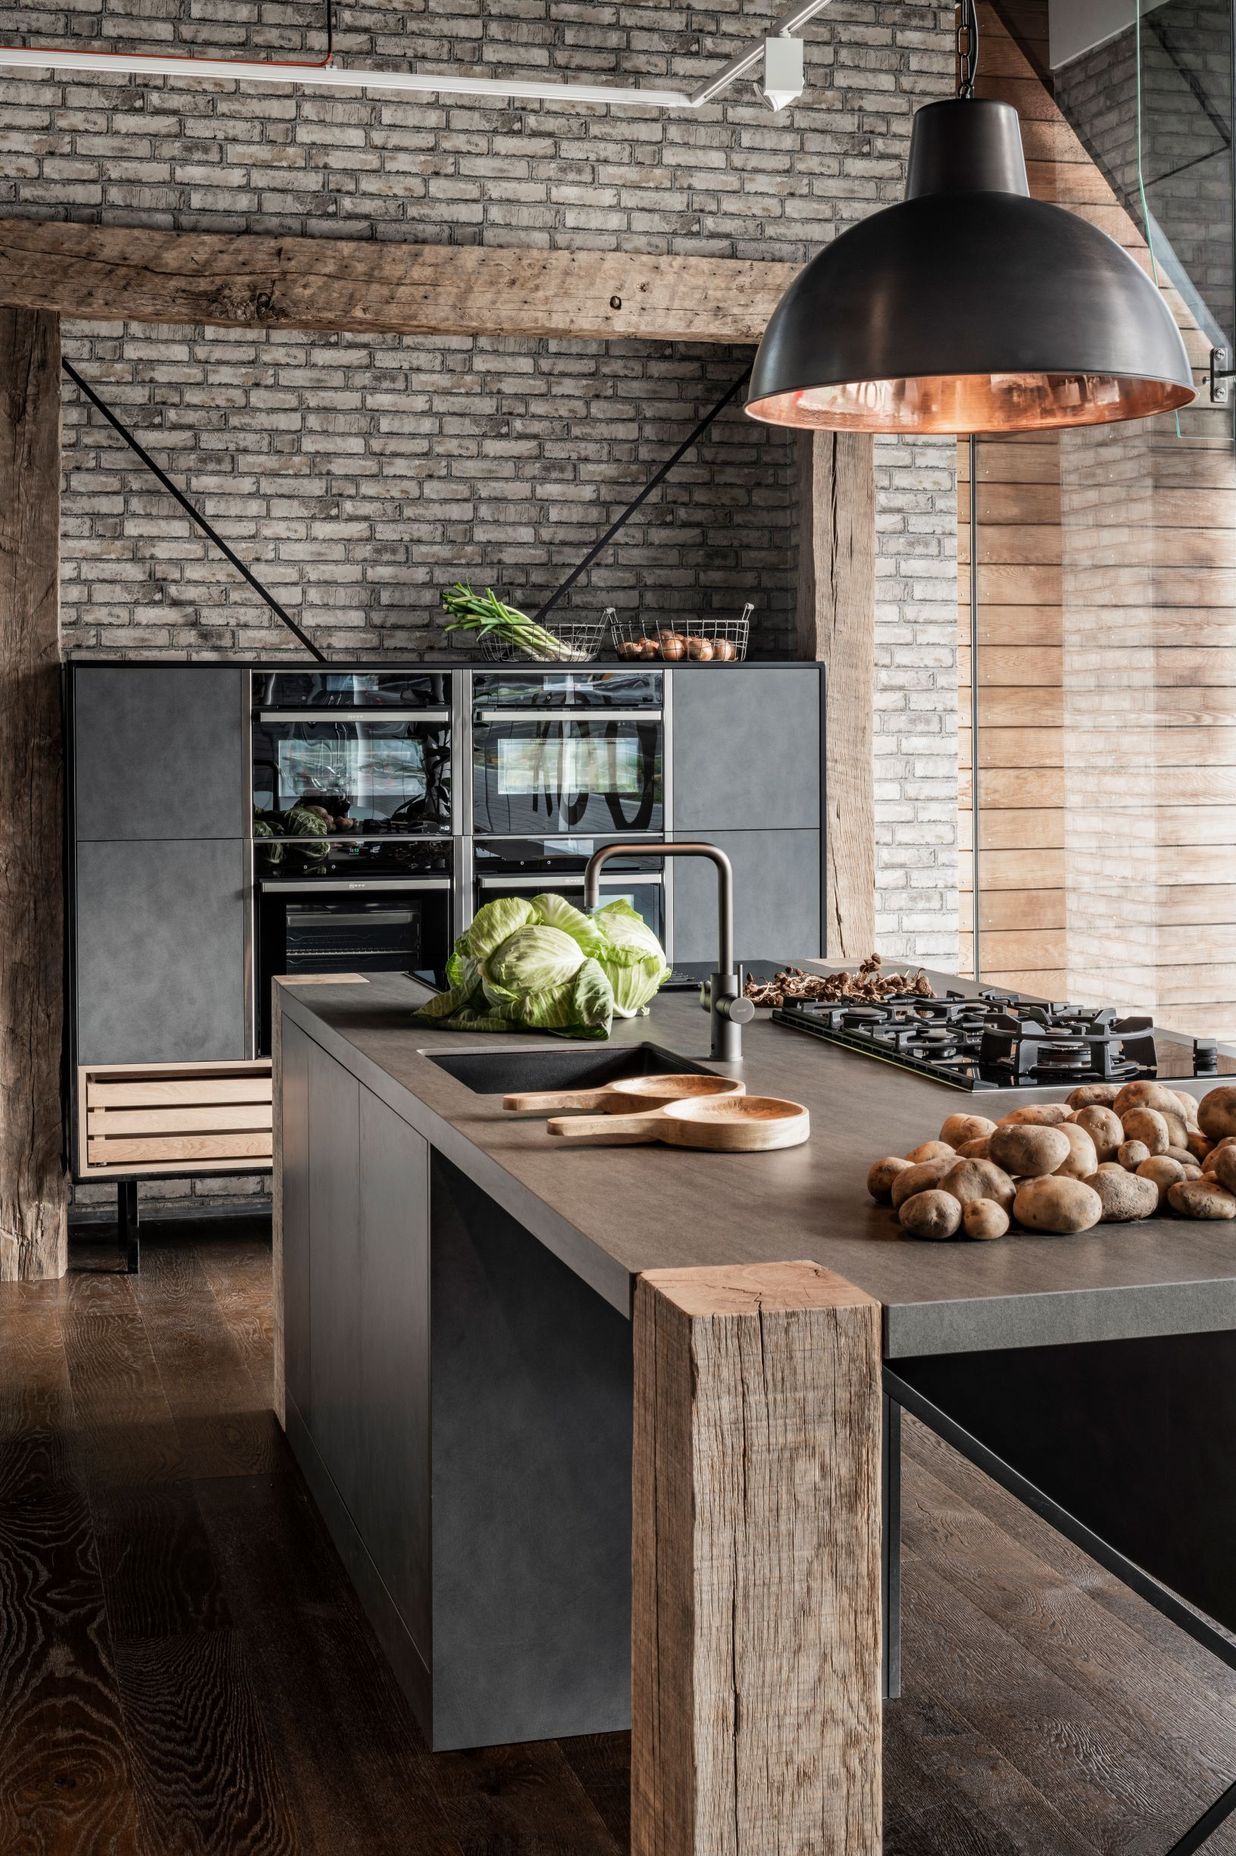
x=351 y=689
x=567 y=772
x=314 y=927
x=530 y=868
x=368 y=773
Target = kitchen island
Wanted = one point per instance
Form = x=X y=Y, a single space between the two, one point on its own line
x=482 y=1329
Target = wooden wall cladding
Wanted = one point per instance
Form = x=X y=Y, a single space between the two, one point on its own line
x=1107 y=677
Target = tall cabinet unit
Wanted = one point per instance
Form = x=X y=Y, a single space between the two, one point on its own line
x=747 y=752
x=159 y=969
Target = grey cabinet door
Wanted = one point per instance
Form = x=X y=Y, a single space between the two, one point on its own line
x=392 y=1509
x=158 y=751
x=160 y=952
x=334 y=1269
x=777 y=902
x=297 y=1283
x=746 y=748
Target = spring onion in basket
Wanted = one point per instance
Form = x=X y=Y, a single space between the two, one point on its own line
x=487 y=617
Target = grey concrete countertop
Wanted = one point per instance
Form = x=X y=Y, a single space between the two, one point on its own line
x=612 y=1212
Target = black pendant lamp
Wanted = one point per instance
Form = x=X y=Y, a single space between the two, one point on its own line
x=969 y=307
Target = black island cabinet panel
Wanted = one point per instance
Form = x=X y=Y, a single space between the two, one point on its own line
x=747 y=746
x=158 y=751
x=160 y=952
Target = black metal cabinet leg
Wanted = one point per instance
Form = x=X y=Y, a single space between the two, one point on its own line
x=890 y=1549
x=127 y=1220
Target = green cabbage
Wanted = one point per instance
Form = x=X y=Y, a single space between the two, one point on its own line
x=631 y=957
x=543 y=965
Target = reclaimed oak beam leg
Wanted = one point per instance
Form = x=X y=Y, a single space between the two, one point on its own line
x=756 y=1564
x=33 y=1181
x=836 y=627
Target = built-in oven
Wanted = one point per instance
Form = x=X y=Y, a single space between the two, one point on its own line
x=353 y=905
x=568 y=751
x=354 y=751
x=527 y=867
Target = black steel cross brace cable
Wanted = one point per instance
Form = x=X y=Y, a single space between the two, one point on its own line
x=657 y=477
x=195 y=515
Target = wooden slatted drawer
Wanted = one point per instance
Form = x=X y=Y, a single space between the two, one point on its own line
x=174 y=1118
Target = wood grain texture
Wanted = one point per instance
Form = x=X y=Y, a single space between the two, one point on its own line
x=33 y=1180
x=149 y=275
x=279 y=1385
x=971 y=1769
x=836 y=627
x=756 y=1577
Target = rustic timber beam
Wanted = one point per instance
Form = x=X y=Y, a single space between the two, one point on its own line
x=756 y=1564
x=836 y=625
x=33 y=1182
x=137 y=274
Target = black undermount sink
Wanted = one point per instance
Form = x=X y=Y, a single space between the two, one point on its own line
x=515 y=1072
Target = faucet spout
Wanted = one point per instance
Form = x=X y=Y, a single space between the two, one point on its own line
x=728 y=1008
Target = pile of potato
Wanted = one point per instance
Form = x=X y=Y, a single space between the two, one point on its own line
x=1109 y=1155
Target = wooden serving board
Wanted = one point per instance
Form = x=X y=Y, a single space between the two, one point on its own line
x=721 y=1124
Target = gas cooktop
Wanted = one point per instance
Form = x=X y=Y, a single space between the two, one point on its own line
x=1001 y=1041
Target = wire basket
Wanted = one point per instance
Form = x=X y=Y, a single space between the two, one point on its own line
x=721 y=641
x=581 y=641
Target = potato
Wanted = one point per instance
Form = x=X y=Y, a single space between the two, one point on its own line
x=1198 y=1145
x=1147 y=1126
x=1147 y=1094
x=1216 y=1112
x=920 y=1178
x=1224 y=1169
x=1164 y=1172
x=1192 y=1171
x=978 y=1179
x=1188 y=1106
x=1093 y=1095
x=1209 y=1163
x=958 y=1129
x=983 y=1218
x=1027 y=1150
x=1125 y=1197
x=1202 y=1198
x=881 y=1176
x=1103 y=1127
x=1082 y=1159
x=1037 y=1114
x=1180 y=1153
x=1063 y=1206
x=931 y=1150
x=974 y=1150
x=932 y=1214
x=1131 y=1154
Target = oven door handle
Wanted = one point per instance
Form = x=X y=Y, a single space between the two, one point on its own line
x=331 y=718
x=325 y=886
x=573 y=716
x=630 y=879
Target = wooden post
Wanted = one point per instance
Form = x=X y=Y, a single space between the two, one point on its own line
x=836 y=626
x=756 y=1564
x=33 y=1181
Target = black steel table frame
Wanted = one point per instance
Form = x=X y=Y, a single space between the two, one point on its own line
x=899 y=1395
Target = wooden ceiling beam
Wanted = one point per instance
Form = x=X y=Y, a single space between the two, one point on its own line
x=139 y=274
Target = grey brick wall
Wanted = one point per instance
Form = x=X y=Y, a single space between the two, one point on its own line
x=360 y=475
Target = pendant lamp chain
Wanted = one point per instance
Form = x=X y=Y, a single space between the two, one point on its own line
x=967 y=47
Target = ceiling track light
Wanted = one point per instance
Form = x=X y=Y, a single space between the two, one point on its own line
x=969 y=307
x=779 y=54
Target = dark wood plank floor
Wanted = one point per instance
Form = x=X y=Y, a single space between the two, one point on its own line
x=184 y=1672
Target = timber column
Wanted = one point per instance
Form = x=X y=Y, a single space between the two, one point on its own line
x=33 y=1181
x=756 y=1564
